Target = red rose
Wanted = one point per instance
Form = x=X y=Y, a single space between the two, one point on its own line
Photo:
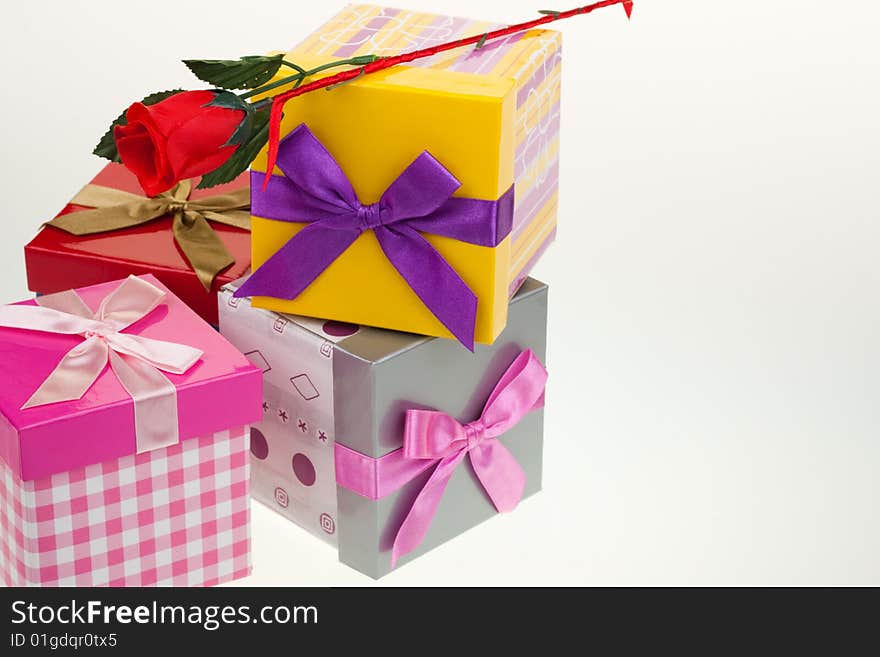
x=177 y=138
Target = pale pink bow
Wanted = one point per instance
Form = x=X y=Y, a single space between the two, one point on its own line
x=437 y=436
x=134 y=359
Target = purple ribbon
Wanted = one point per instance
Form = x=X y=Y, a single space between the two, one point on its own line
x=315 y=190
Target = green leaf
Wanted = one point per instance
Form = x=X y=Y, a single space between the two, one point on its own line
x=243 y=155
x=228 y=100
x=106 y=148
x=245 y=73
x=241 y=133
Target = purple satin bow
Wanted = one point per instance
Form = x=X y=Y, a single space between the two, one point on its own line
x=315 y=190
x=436 y=436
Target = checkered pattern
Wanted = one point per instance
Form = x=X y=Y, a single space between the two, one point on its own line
x=177 y=516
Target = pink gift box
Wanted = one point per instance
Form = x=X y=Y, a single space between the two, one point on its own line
x=79 y=506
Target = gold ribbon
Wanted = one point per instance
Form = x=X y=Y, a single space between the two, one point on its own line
x=115 y=209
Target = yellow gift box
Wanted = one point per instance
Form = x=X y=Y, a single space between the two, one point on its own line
x=489 y=115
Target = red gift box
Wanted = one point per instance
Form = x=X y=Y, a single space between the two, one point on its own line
x=57 y=260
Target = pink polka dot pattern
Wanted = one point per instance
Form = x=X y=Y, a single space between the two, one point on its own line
x=259 y=444
x=304 y=469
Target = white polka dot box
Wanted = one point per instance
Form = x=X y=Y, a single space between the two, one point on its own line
x=123 y=441
x=386 y=444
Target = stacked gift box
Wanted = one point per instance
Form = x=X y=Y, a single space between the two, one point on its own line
x=142 y=478
x=382 y=361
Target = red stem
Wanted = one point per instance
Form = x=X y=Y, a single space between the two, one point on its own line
x=387 y=62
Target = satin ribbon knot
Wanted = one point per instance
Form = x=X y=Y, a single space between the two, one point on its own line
x=181 y=206
x=114 y=209
x=437 y=436
x=137 y=361
x=99 y=332
x=475 y=433
x=370 y=216
x=314 y=190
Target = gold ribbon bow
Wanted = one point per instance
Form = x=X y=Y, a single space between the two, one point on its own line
x=115 y=209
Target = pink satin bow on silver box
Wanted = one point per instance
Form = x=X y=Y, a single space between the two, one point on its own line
x=435 y=439
x=135 y=360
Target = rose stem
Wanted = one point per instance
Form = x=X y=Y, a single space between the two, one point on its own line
x=381 y=63
x=302 y=74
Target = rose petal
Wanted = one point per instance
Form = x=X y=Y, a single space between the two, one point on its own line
x=198 y=145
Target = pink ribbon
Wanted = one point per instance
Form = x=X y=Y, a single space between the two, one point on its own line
x=135 y=360
x=433 y=438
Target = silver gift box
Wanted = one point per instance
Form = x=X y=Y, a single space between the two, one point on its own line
x=327 y=382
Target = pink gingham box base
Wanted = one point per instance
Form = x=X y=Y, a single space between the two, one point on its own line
x=178 y=516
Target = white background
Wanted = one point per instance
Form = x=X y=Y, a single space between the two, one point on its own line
x=713 y=413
